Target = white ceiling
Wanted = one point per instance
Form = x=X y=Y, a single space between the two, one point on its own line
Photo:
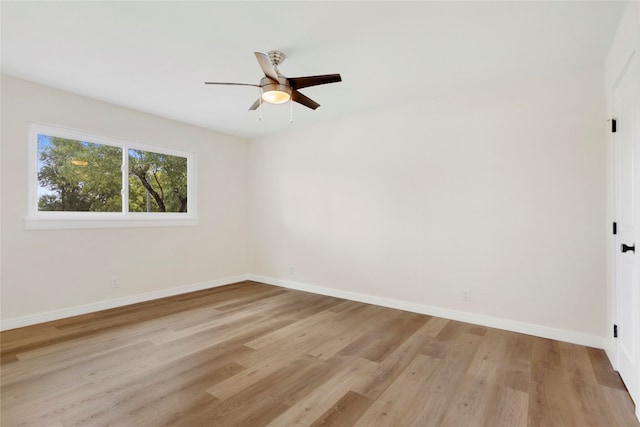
x=155 y=56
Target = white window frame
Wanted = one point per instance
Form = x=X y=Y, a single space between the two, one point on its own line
x=44 y=220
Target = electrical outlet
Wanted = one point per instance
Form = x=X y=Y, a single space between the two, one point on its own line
x=466 y=295
x=115 y=282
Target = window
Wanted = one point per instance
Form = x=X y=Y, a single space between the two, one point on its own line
x=84 y=180
x=157 y=182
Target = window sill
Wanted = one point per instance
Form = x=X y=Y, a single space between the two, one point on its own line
x=40 y=223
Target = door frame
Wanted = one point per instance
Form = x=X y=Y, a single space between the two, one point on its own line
x=614 y=247
x=625 y=46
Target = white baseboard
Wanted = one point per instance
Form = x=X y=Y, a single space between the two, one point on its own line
x=477 y=319
x=462 y=316
x=48 y=316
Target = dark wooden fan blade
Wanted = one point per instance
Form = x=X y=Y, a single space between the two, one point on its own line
x=267 y=67
x=304 y=100
x=300 y=82
x=231 y=84
x=255 y=105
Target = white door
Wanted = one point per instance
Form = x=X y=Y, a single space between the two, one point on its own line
x=626 y=148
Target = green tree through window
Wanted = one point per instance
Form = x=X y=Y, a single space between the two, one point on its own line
x=80 y=176
x=157 y=182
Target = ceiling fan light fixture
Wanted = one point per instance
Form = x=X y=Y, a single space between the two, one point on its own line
x=276 y=93
x=276 y=88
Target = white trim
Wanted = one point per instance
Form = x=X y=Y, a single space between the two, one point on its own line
x=477 y=319
x=31 y=223
x=19 y=322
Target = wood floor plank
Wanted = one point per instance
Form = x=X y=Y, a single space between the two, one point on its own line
x=602 y=369
x=345 y=412
x=435 y=326
x=546 y=353
x=509 y=408
x=251 y=354
x=431 y=412
x=346 y=327
x=515 y=370
x=398 y=360
x=619 y=406
x=391 y=335
x=261 y=364
x=300 y=381
x=551 y=402
x=576 y=363
x=396 y=406
x=471 y=404
x=323 y=397
x=317 y=320
x=158 y=395
x=284 y=387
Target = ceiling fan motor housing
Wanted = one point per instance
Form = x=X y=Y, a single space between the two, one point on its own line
x=276 y=57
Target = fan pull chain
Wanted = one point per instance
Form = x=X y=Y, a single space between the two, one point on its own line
x=290 y=111
x=260 y=105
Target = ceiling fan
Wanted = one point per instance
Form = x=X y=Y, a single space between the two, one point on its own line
x=276 y=88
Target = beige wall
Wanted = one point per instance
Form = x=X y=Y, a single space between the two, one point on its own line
x=45 y=271
x=500 y=191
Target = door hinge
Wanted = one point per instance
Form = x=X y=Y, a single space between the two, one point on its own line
x=615 y=228
x=613 y=125
x=615 y=331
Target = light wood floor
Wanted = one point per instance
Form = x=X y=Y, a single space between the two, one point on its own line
x=252 y=355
